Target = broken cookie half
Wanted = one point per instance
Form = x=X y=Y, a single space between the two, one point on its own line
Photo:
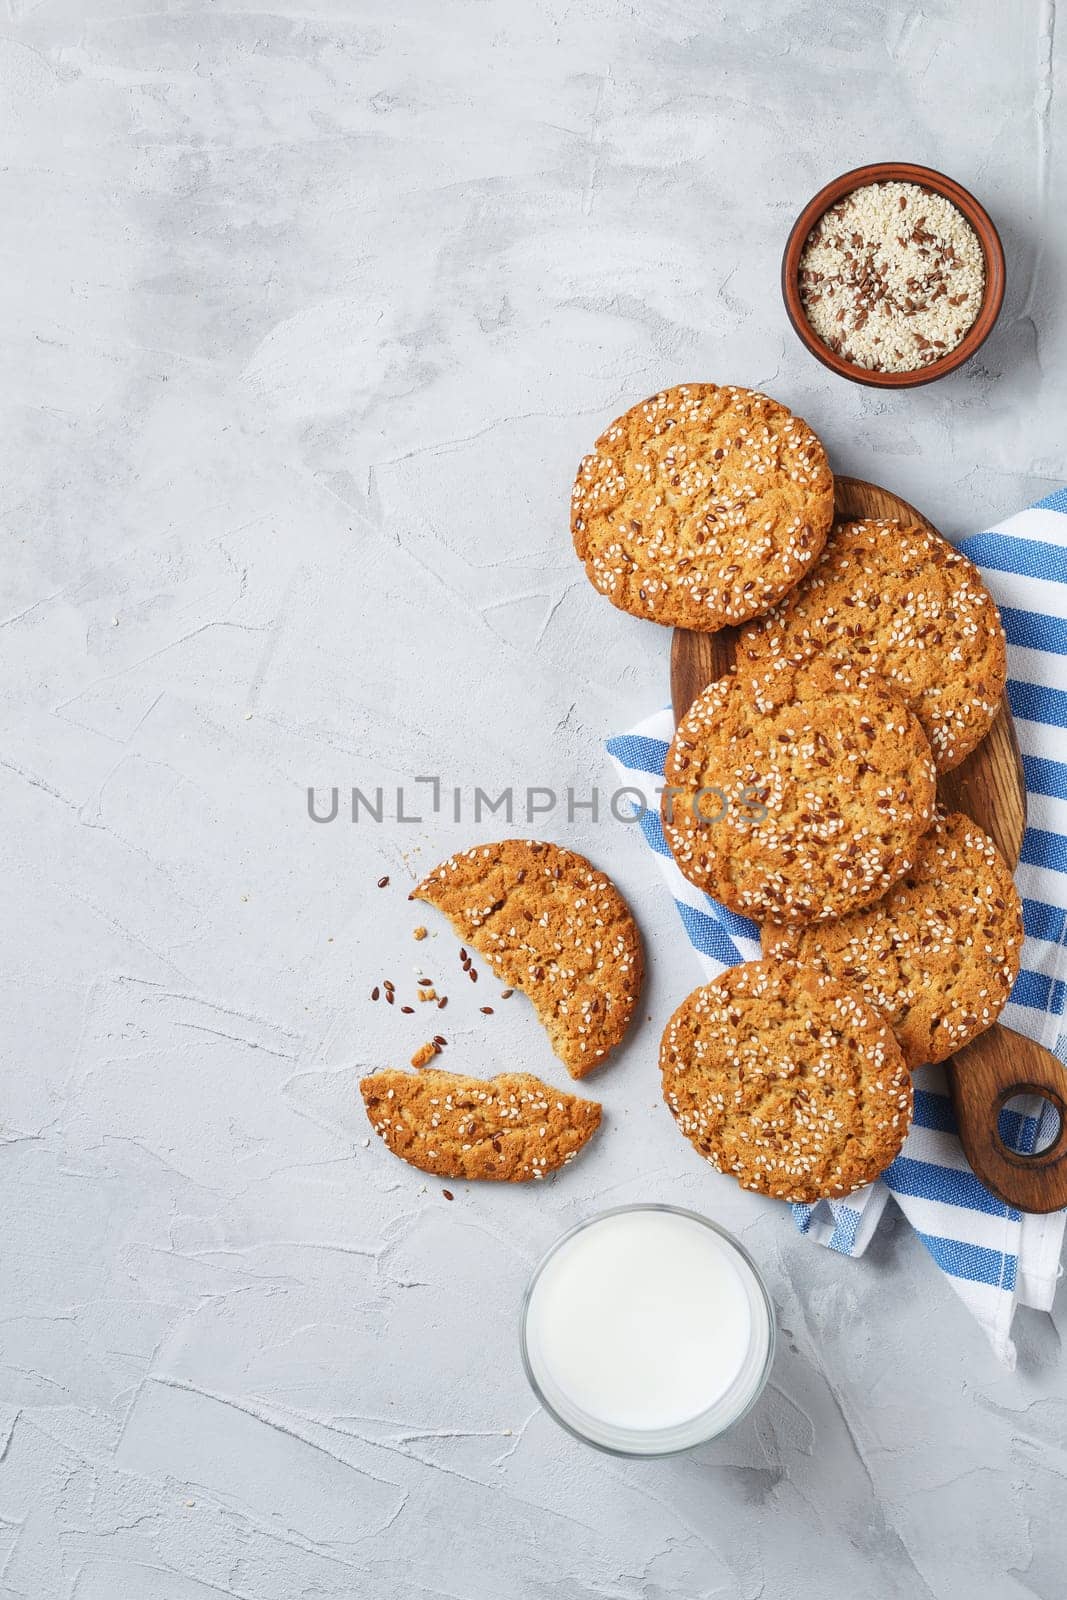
x=508 y=1128
x=548 y=923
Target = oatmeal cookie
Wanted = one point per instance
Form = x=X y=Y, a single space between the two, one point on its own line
x=897 y=600
x=793 y=795
x=508 y=1128
x=786 y=1079
x=550 y=924
x=701 y=506
x=938 y=955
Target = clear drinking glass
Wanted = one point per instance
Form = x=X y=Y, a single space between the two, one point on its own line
x=740 y=1393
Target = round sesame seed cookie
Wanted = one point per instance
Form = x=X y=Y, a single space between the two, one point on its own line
x=550 y=924
x=508 y=1128
x=897 y=600
x=701 y=506
x=788 y=1080
x=938 y=955
x=793 y=795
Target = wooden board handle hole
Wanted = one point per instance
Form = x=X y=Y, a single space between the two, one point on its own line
x=1051 y=1139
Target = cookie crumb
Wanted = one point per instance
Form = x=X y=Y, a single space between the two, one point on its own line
x=419 y=933
x=424 y=1054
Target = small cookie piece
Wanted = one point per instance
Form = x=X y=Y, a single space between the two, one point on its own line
x=794 y=795
x=701 y=506
x=550 y=924
x=938 y=955
x=897 y=601
x=788 y=1080
x=508 y=1128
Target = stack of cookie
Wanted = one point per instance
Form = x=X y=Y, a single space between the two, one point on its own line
x=801 y=788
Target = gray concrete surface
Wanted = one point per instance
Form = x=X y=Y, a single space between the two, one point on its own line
x=307 y=314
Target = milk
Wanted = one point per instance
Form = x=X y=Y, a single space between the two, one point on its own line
x=647 y=1330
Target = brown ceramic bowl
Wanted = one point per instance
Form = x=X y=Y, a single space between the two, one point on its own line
x=992 y=249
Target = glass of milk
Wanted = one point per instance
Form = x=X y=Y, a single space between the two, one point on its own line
x=647 y=1330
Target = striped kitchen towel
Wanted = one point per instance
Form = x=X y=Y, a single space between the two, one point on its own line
x=994 y=1258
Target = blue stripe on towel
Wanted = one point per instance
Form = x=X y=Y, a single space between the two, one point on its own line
x=1044 y=849
x=1035 y=702
x=708 y=935
x=952 y=1186
x=652 y=828
x=740 y=927
x=974 y=1262
x=1039 y=992
x=846 y=1223
x=1044 y=776
x=999 y=552
x=1033 y=630
x=633 y=750
x=934 y=1111
x=1045 y=922
x=1018 y=1132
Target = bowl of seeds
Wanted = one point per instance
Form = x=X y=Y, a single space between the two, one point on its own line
x=893 y=275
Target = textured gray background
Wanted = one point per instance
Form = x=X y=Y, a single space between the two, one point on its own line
x=307 y=316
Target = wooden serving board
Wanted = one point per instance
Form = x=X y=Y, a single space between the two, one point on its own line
x=989 y=786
